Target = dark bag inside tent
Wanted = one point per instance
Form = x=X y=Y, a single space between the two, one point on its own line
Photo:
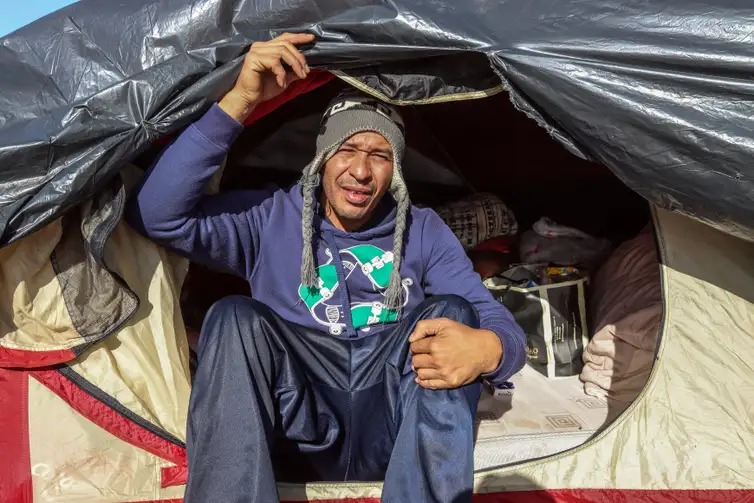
x=466 y=148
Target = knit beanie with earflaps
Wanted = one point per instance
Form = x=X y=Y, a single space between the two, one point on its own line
x=348 y=114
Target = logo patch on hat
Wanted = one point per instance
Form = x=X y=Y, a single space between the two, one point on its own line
x=366 y=104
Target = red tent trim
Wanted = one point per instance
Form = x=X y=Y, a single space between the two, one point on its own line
x=316 y=78
x=118 y=425
x=597 y=496
x=22 y=358
x=15 y=469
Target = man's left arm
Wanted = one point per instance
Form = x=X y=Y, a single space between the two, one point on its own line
x=450 y=271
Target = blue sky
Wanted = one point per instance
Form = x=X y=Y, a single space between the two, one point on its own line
x=17 y=13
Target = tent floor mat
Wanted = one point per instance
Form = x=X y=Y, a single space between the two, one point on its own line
x=541 y=418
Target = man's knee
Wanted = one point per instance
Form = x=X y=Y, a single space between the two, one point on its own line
x=230 y=314
x=455 y=308
x=233 y=306
x=464 y=398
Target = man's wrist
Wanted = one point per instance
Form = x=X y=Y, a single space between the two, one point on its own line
x=493 y=351
x=236 y=106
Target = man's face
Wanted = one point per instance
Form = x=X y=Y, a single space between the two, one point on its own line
x=355 y=179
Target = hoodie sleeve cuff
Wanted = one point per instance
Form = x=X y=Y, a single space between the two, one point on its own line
x=218 y=127
x=514 y=355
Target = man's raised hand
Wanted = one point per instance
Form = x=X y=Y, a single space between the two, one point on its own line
x=264 y=75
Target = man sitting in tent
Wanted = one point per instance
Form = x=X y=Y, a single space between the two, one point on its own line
x=361 y=353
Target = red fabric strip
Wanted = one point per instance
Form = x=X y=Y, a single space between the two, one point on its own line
x=15 y=467
x=316 y=78
x=597 y=496
x=113 y=422
x=619 y=496
x=21 y=358
x=174 y=476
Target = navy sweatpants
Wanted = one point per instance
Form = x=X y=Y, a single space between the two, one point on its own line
x=276 y=401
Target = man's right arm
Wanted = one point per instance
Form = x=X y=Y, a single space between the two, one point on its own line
x=172 y=208
x=222 y=230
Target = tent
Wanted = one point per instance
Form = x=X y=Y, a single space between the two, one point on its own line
x=94 y=360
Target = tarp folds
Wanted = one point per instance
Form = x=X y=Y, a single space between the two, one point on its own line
x=659 y=92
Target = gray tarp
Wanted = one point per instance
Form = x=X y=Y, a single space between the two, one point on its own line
x=659 y=92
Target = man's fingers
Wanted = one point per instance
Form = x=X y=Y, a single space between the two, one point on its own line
x=295 y=38
x=419 y=332
x=281 y=76
x=299 y=57
x=422 y=361
x=432 y=383
x=417 y=335
x=426 y=328
x=422 y=346
x=428 y=374
x=292 y=57
x=281 y=53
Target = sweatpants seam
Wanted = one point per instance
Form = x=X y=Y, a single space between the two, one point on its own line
x=349 y=431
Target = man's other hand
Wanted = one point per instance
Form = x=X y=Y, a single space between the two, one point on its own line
x=264 y=75
x=447 y=354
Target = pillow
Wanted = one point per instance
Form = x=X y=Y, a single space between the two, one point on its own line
x=626 y=311
x=478 y=218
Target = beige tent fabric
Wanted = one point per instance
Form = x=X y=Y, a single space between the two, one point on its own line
x=144 y=365
x=33 y=316
x=691 y=426
x=74 y=460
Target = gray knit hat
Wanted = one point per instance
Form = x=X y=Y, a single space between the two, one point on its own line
x=348 y=114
